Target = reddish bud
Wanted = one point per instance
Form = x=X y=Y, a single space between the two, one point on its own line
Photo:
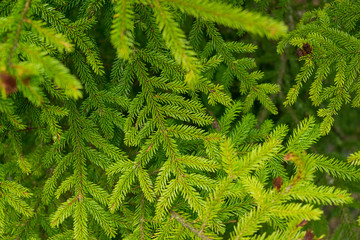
x=308 y=235
x=8 y=82
x=277 y=183
x=305 y=50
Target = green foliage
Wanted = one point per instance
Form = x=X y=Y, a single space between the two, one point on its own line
x=333 y=61
x=130 y=119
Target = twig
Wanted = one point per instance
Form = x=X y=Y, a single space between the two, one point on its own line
x=18 y=31
x=184 y=223
x=215 y=123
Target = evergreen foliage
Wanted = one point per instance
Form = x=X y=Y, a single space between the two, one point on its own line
x=131 y=119
x=332 y=39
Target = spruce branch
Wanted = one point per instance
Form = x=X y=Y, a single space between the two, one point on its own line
x=232 y=17
x=18 y=32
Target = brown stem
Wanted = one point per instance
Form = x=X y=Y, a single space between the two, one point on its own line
x=184 y=223
x=215 y=123
x=18 y=31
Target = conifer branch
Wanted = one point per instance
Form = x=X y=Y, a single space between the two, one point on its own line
x=120 y=146
x=232 y=17
x=18 y=32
